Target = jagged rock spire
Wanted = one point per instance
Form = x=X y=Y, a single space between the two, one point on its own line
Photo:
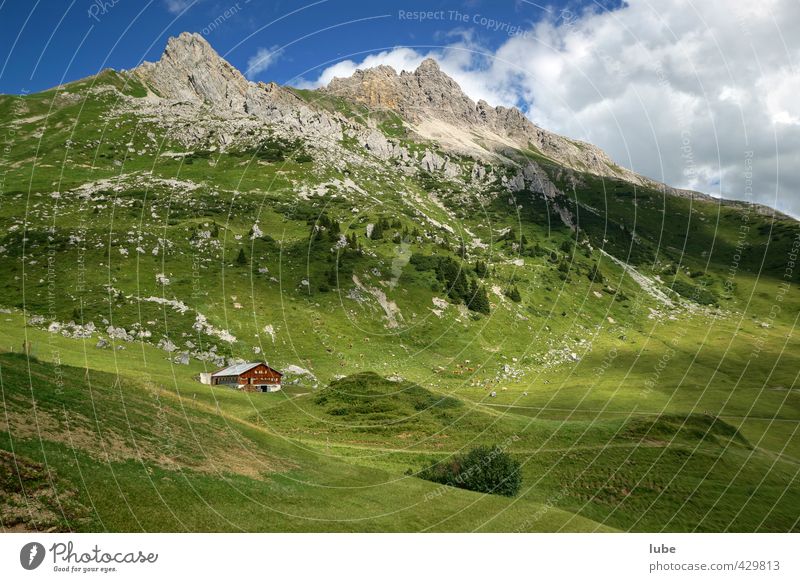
x=191 y=70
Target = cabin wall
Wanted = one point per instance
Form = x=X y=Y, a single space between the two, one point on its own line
x=263 y=374
x=252 y=380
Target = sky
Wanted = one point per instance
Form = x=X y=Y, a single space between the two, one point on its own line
x=700 y=95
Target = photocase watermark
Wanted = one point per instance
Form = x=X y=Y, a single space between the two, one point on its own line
x=167 y=441
x=100 y=8
x=608 y=360
x=66 y=558
x=784 y=287
x=744 y=229
x=31 y=555
x=18 y=109
x=680 y=112
x=549 y=504
x=612 y=65
x=223 y=17
x=477 y=19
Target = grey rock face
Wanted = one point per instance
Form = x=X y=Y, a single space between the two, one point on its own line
x=377 y=144
x=429 y=94
x=190 y=72
x=433 y=162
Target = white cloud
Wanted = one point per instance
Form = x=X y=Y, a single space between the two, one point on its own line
x=678 y=91
x=262 y=60
x=178 y=6
x=463 y=60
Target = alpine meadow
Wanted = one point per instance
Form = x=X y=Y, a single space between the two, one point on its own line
x=375 y=306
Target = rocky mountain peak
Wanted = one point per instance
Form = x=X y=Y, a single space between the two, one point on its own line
x=191 y=70
x=427 y=66
x=437 y=109
x=189 y=46
x=429 y=100
x=415 y=95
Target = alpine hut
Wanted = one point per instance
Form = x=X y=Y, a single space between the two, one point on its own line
x=250 y=377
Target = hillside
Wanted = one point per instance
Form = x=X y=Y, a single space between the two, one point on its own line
x=431 y=273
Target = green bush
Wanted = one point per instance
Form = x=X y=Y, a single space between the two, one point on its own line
x=513 y=294
x=453 y=276
x=483 y=469
x=595 y=275
x=479 y=300
x=696 y=293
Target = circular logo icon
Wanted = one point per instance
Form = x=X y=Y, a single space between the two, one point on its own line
x=31 y=555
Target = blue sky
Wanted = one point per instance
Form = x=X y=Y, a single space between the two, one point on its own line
x=700 y=95
x=44 y=42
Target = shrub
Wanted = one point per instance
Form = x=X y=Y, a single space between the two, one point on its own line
x=483 y=469
x=452 y=276
x=595 y=275
x=513 y=294
x=479 y=302
x=697 y=293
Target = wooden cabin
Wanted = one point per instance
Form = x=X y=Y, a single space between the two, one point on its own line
x=250 y=377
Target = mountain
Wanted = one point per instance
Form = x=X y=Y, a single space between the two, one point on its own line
x=431 y=274
x=190 y=70
x=438 y=110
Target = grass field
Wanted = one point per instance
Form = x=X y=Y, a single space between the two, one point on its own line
x=641 y=366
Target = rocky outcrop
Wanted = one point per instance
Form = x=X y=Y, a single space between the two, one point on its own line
x=378 y=145
x=415 y=96
x=433 y=162
x=436 y=106
x=190 y=74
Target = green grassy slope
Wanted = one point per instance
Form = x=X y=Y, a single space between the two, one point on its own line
x=627 y=412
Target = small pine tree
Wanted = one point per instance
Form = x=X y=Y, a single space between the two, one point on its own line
x=479 y=301
x=241 y=259
x=595 y=275
x=513 y=294
x=481 y=270
x=334 y=229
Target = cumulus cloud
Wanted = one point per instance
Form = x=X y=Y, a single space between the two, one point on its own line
x=679 y=91
x=263 y=59
x=462 y=58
